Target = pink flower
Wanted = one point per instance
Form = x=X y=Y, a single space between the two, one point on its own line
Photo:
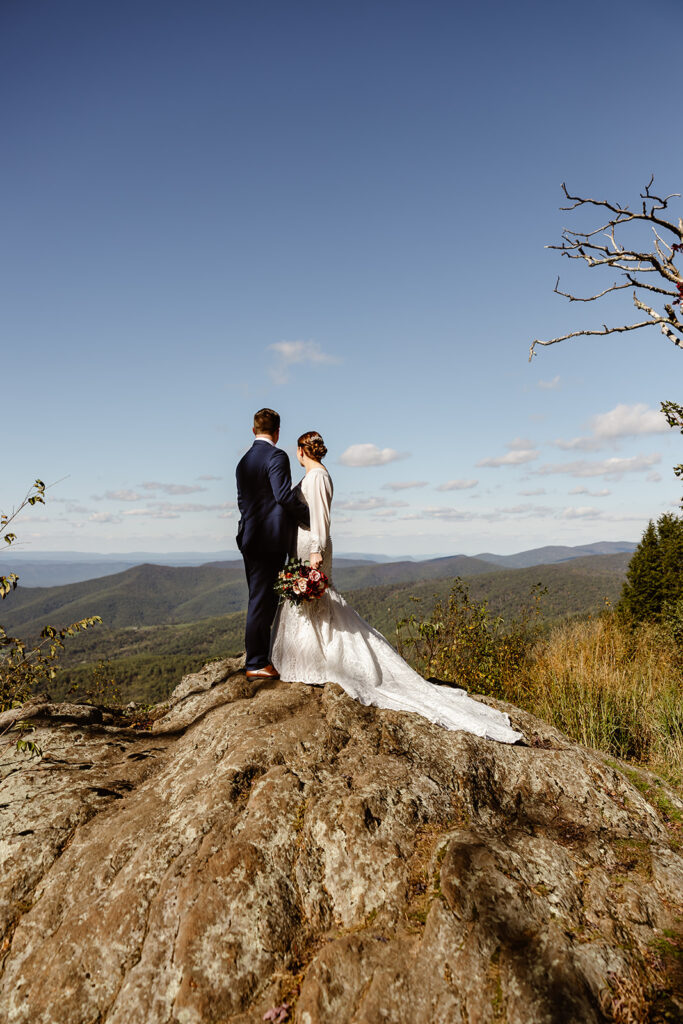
x=314 y=576
x=299 y=586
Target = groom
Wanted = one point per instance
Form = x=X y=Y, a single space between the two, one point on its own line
x=270 y=513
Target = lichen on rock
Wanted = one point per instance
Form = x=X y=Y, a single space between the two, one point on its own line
x=275 y=845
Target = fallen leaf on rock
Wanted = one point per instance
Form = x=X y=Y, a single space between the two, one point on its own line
x=278 y=1014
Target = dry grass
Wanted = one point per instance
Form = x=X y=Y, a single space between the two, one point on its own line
x=613 y=687
x=607 y=682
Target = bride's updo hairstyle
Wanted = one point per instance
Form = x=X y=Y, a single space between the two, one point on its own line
x=313 y=445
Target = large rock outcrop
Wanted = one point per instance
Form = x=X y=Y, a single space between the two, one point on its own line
x=280 y=851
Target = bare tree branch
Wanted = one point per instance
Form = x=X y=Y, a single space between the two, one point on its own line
x=665 y=325
x=633 y=263
x=624 y=214
x=649 y=287
x=580 y=334
x=591 y=298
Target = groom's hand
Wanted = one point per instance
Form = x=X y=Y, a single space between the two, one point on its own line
x=316 y=560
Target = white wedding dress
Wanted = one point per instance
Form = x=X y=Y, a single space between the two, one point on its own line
x=324 y=641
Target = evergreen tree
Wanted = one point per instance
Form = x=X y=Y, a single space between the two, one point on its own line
x=671 y=550
x=654 y=578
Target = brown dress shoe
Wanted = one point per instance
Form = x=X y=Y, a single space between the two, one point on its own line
x=267 y=672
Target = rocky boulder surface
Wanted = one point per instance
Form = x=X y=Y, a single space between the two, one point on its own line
x=273 y=851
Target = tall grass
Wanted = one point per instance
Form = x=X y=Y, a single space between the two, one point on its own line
x=611 y=684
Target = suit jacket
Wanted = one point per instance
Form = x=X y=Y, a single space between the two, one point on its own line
x=270 y=511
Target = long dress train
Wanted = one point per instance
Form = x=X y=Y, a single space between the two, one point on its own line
x=327 y=641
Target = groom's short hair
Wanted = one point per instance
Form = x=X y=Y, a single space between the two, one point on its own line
x=266 y=421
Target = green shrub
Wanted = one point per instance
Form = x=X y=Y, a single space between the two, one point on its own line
x=25 y=666
x=462 y=643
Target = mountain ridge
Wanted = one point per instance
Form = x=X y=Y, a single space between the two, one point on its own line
x=153 y=594
x=48 y=569
x=551 y=553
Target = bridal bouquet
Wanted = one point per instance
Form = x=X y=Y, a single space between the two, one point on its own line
x=298 y=582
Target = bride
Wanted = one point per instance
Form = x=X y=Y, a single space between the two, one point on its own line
x=327 y=641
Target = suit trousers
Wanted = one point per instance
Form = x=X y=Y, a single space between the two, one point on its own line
x=263 y=600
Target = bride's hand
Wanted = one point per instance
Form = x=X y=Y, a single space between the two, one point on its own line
x=316 y=560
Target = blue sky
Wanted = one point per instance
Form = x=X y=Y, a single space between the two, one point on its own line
x=339 y=211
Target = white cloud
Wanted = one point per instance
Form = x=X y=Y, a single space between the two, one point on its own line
x=518 y=510
x=208 y=476
x=151 y=513
x=586 y=512
x=404 y=485
x=549 y=385
x=593 y=494
x=444 y=512
x=457 y=485
x=370 y=455
x=582 y=512
x=172 y=510
x=515 y=513
x=580 y=444
x=533 y=493
x=513 y=458
x=73 y=509
x=103 y=517
x=124 y=495
x=520 y=444
x=521 y=450
x=369 y=504
x=621 y=421
x=153 y=485
x=612 y=469
x=302 y=352
x=191 y=506
x=654 y=477
x=629 y=421
x=450 y=514
x=290 y=353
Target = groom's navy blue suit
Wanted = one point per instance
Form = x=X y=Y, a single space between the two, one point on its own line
x=270 y=512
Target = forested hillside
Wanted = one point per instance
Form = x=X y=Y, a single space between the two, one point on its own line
x=147 y=659
x=153 y=594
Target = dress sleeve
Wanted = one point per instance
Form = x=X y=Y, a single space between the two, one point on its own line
x=319 y=501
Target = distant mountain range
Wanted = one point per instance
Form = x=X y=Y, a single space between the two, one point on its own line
x=150 y=595
x=558 y=553
x=146 y=595
x=57 y=568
